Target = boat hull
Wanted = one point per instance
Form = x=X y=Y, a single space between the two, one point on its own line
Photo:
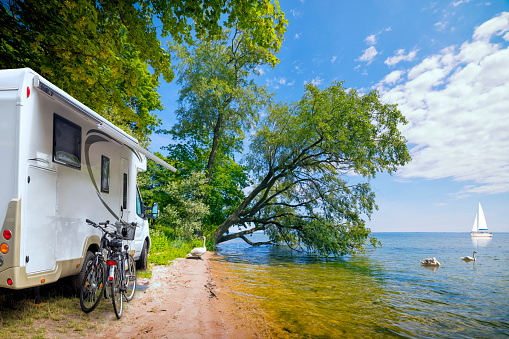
x=481 y=234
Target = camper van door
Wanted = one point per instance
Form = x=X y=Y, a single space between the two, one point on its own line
x=40 y=214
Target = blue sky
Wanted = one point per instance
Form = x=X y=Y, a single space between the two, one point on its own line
x=446 y=65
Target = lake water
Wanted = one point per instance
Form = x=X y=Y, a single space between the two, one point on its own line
x=382 y=293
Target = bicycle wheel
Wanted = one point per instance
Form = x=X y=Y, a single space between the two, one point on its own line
x=92 y=286
x=130 y=278
x=115 y=294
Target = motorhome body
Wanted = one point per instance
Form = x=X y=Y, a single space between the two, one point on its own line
x=62 y=163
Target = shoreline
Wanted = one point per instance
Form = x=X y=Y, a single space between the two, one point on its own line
x=187 y=299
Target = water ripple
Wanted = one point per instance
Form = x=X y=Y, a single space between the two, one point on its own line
x=382 y=293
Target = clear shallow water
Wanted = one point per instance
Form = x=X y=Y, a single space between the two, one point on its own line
x=382 y=293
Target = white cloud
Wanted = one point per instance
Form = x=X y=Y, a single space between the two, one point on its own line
x=296 y=36
x=497 y=25
x=457 y=103
x=368 y=55
x=333 y=59
x=371 y=40
x=457 y=3
x=392 y=77
x=276 y=83
x=400 y=56
x=316 y=81
x=259 y=70
x=441 y=25
x=295 y=13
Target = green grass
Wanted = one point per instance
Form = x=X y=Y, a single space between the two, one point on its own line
x=164 y=250
x=60 y=310
x=144 y=273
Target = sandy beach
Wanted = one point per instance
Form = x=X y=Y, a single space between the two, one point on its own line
x=182 y=300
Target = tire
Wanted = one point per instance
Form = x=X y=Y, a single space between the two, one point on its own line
x=142 y=262
x=92 y=287
x=77 y=280
x=116 y=295
x=130 y=277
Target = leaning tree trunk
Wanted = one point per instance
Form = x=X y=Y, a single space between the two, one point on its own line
x=234 y=218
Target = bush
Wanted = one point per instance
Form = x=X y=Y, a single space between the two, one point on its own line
x=159 y=242
x=164 y=250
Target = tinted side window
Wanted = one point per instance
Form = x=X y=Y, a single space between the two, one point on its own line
x=66 y=142
x=105 y=174
x=124 y=193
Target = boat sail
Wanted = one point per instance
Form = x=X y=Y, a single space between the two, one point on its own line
x=480 y=228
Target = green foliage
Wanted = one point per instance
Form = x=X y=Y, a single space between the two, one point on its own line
x=164 y=250
x=180 y=198
x=159 y=241
x=302 y=155
x=225 y=193
x=100 y=51
x=186 y=210
x=218 y=98
x=218 y=102
x=224 y=190
x=92 y=50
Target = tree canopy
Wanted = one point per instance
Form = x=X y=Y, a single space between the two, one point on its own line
x=302 y=156
x=100 y=51
x=219 y=101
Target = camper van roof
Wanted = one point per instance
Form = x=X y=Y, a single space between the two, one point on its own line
x=56 y=93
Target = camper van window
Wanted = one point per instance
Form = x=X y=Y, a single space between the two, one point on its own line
x=66 y=142
x=139 y=204
x=105 y=174
x=124 y=192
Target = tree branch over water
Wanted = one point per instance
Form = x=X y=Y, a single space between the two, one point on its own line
x=300 y=155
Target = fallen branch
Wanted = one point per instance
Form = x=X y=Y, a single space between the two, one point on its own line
x=243 y=237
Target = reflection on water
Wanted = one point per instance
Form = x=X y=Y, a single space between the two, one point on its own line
x=431 y=268
x=383 y=293
x=480 y=242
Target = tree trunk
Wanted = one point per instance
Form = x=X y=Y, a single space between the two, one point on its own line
x=213 y=151
x=234 y=218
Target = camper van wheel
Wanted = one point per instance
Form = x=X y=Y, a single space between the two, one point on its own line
x=78 y=278
x=142 y=262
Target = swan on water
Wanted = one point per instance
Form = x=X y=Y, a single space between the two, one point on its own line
x=470 y=258
x=430 y=262
x=198 y=251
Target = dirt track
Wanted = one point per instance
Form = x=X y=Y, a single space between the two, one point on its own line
x=182 y=301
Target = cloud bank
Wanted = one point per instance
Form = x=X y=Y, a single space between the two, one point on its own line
x=457 y=105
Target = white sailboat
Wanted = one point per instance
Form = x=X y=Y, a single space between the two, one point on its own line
x=480 y=228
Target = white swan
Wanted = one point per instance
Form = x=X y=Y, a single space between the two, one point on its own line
x=198 y=251
x=430 y=262
x=470 y=258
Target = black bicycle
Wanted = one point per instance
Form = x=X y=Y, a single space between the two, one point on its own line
x=121 y=278
x=122 y=268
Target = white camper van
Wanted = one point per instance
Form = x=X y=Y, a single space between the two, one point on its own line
x=61 y=164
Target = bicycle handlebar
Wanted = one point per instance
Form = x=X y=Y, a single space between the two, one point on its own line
x=102 y=226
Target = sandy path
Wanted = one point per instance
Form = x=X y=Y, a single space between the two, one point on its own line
x=179 y=303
